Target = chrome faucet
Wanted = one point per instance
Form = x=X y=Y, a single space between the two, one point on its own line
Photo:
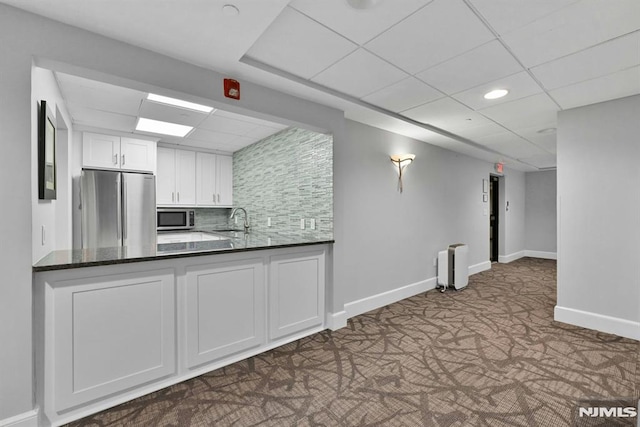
x=246 y=218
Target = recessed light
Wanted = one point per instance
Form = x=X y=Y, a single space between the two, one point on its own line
x=230 y=10
x=362 y=4
x=179 y=103
x=164 y=128
x=547 y=130
x=495 y=94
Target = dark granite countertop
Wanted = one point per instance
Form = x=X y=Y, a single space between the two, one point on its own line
x=237 y=242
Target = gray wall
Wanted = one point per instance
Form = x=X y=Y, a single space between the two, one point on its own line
x=385 y=239
x=540 y=211
x=599 y=216
x=286 y=177
x=27 y=38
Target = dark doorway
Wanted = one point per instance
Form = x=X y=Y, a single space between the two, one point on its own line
x=494 y=217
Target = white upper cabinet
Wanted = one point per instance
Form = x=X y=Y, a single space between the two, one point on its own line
x=214 y=181
x=112 y=152
x=185 y=177
x=166 y=177
x=176 y=181
x=224 y=180
x=137 y=154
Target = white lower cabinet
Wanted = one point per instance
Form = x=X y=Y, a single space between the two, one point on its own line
x=296 y=293
x=224 y=309
x=110 y=334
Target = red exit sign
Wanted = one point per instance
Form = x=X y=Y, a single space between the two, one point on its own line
x=499 y=167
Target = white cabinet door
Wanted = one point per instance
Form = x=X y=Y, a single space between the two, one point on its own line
x=224 y=309
x=206 y=179
x=111 y=333
x=166 y=177
x=137 y=155
x=185 y=177
x=100 y=151
x=224 y=181
x=296 y=292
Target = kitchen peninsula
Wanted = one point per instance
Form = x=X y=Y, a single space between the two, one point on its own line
x=113 y=324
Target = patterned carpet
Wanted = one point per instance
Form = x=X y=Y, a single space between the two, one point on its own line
x=489 y=355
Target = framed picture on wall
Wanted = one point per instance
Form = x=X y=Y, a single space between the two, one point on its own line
x=46 y=153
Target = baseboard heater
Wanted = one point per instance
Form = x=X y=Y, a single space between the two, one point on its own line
x=453 y=267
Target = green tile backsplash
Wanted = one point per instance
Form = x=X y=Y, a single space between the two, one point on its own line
x=287 y=176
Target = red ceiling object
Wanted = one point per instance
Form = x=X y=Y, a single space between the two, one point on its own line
x=232 y=88
x=499 y=167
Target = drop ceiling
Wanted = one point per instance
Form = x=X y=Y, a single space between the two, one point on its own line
x=415 y=67
x=100 y=106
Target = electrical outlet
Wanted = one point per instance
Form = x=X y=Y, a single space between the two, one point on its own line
x=44 y=235
x=312 y=224
x=269 y=222
x=235 y=219
x=302 y=224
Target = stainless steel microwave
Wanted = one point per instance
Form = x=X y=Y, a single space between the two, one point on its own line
x=176 y=219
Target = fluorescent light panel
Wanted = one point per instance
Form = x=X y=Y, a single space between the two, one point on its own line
x=179 y=103
x=495 y=94
x=164 y=128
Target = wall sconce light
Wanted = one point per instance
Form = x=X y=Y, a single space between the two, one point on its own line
x=402 y=161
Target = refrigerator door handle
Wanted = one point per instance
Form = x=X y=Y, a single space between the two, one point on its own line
x=119 y=212
x=124 y=212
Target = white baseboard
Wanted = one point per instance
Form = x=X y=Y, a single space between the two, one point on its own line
x=504 y=259
x=541 y=254
x=598 y=322
x=27 y=419
x=358 y=307
x=336 y=321
x=480 y=267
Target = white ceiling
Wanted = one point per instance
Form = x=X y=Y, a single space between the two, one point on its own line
x=404 y=66
x=99 y=106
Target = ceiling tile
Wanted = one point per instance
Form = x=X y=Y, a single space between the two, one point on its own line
x=447 y=114
x=167 y=113
x=218 y=123
x=212 y=137
x=600 y=60
x=519 y=85
x=188 y=142
x=102 y=119
x=261 y=132
x=507 y=15
x=340 y=17
x=541 y=161
x=299 y=45
x=546 y=141
x=100 y=96
x=441 y=30
x=511 y=145
x=359 y=74
x=403 y=95
x=612 y=86
x=526 y=112
x=573 y=28
x=480 y=130
x=483 y=64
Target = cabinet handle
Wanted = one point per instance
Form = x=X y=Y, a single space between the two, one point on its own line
x=123 y=159
x=172 y=197
x=115 y=159
x=178 y=197
x=218 y=197
x=214 y=198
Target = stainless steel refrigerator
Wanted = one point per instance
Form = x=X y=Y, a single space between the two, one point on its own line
x=118 y=209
